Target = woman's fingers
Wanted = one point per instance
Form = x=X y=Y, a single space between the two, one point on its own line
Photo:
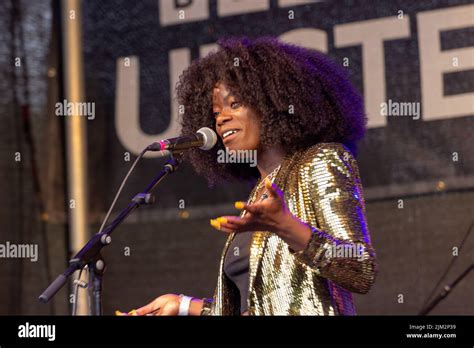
x=273 y=190
x=256 y=208
x=223 y=224
x=149 y=308
x=234 y=224
x=145 y=309
x=164 y=305
x=230 y=224
x=257 y=215
x=170 y=308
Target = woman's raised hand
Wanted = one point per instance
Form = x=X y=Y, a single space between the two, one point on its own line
x=266 y=215
x=270 y=215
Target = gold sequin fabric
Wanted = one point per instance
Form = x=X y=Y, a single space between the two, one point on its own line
x=322 y=187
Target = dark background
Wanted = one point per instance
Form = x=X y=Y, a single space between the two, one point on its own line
x=169 y=252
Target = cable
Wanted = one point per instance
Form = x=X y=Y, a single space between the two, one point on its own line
x=77 y=283
x=120 y=189
x=449 y=266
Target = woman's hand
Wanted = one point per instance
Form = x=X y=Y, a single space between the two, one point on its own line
x=266 y=215
x=166 y=305
x=270 y=215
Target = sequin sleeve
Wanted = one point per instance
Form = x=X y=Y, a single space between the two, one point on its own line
x=340 y=248
x=206 y=306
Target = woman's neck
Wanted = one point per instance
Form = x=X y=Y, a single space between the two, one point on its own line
x=269 y=159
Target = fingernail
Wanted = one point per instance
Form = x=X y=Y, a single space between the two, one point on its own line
x=222 y=220
x=239 y=205
x=132 y=312
x=215 y=224
x=268 y=183
x=117 y=312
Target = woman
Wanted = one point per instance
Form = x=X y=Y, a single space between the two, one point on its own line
x=300 y=245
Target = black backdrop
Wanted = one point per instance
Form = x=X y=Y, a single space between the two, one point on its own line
x=405 y=163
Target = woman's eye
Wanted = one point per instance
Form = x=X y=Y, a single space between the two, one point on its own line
x=235 y=105
x=215 y=113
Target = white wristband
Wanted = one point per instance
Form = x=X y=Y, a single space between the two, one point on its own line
x=184 y=302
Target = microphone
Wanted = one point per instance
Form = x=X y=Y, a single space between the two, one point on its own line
x=205 y=139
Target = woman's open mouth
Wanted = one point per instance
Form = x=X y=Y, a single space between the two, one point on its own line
x=229 y=135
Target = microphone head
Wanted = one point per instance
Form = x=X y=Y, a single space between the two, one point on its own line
x=209 y=137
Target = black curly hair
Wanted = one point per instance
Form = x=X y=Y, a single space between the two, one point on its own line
x=301 y=97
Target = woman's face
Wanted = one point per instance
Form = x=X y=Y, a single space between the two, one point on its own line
x=237 y=125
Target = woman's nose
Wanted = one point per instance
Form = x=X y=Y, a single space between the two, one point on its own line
x=223 y=117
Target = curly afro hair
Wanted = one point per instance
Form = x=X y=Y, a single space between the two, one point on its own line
x=301 y=97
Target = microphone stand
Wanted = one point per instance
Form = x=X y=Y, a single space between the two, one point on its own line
x=445 y=292
x=90 y=254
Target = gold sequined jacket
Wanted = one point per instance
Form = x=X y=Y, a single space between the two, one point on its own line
x=322 y=187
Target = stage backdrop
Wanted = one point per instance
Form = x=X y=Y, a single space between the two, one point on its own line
x=412 y=61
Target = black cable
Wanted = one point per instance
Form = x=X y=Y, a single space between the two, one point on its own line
x=449 y=266
x=120 y=189
x=78 y=281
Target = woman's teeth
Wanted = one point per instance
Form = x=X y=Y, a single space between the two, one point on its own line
x=229 y=132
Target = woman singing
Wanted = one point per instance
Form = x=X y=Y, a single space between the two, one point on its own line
x=301 y=244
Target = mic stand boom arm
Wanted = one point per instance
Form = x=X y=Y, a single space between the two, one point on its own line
x=90 y=254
